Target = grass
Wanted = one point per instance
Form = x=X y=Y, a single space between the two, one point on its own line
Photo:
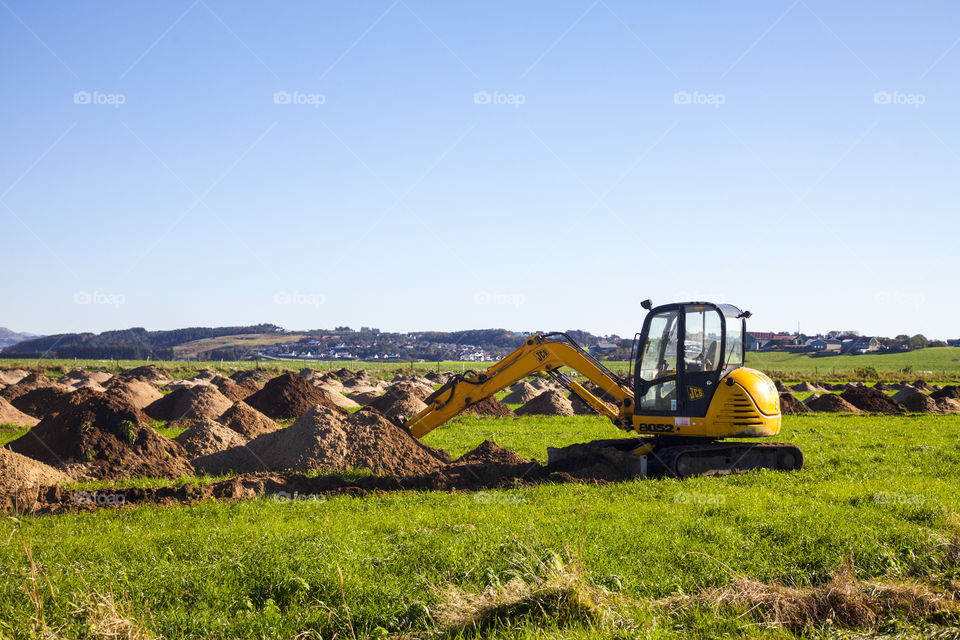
x=877 y=498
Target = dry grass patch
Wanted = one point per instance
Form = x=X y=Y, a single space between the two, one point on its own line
x=108 y=620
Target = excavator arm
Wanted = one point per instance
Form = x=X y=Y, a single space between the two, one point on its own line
x=548 y=353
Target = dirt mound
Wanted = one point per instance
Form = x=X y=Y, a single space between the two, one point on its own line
x=12 y=376
x=365 y=398
x=789 y=405
x=782 y=388
x=521 y=393
x=337 y=398
x=919 y=402
x=29 y=383
x=204 y=375
x=150 y=373
x=489 y=452
x=256 y=376
x=137 y=392
x=234 y=390
x=806 y=387
x=949 y=391
x=415 y=389
x=200 y=401
x=330 y=381
x=288 y=396
x=18 y=472
x=205 y=437
x=46 y=401
x=581 y=408
x=490 y=407
x=109 y=437
x=548 y=403
x=9 y=414
x=82 y=378
x=396 y=404
x=326 y=440
x=810 y=398
x=832 y=403
x=922 y=385
x=247 y=421
x=948 y=405
x=903 y=394
x=870 y=400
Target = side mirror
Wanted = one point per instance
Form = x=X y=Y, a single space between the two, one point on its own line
x=745 y=314
x=647 y=304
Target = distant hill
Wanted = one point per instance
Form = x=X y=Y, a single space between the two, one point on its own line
x=9 y=337
x=127 y=344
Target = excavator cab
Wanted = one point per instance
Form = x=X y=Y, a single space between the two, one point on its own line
x=684 y=351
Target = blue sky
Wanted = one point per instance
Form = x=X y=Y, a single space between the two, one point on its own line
x=431 y=165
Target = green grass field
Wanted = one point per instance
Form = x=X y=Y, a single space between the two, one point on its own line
x=878 y=495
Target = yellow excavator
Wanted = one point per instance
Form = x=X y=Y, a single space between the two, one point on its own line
x=687 y=393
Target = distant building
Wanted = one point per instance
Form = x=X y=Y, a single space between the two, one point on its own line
x=860 y=344
x=825 y=345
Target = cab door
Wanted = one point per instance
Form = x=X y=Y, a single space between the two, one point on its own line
x=657 y=368
x=703 y=340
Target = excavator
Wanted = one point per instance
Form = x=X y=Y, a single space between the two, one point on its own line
x=687 y=395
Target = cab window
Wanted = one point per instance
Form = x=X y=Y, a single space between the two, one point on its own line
x=659 y=356
x=703 y=340
x=734 y=343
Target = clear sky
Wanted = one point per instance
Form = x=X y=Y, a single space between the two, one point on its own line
x=414 y=165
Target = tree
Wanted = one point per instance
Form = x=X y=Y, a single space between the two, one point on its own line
x=918 y=341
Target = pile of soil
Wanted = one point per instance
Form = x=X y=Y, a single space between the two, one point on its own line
x=200 y=401
x=903 y=394
x=810 y=398
x=9 y=414
x=413 y=389
x=205 y=437
x=782 y=388
x=81 y=378
x=832 y=403
x=29 y=383
x=256 y=376
x=919 y=402
x=395 y=404
x=12 y=376
x=949 y=391
x=806 y=387
x=548 y=403
x=204 y=376
x=581 y=408
x=489 y=407
x=234 y=390
x=948 y=405
x=870 y=400
x=247 y=421
x=47 y=401
x=107 y=436
x=880 y=386
x=489 y=452
x=337 y=398
x=521 y=393
x=922 y=385
x=137 y=392
x=326 y=440
x=365 y=398
x=789 y=405
x=149 y=373
x=329 y=381
x=288 y=396
x=18 y=472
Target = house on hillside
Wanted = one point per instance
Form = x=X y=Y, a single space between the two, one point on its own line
x=953 y=343
x=860 y=344
x=825 y=345
x=757 y=340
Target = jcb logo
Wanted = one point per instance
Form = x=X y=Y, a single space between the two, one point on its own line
x=695 y=393
x=541 y=355
x=654 y=428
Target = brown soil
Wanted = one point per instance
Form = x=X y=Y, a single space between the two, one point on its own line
x=200 y=401
x=782 y=388
x=12 y=376
x=247 y=421
x=337 y=398
x=490 y=407
x=256 y=376
x=47 y=401
x=205 y=375
x=109 y=435
x=789 y=405
x=18 y=472
x=489 y=452
x=364 y=398
x=81 y=378
x=137 y=392
x=521 y=393
x=832 y=403
x=806 y=387
x=326 y=440
x=870 y=400
x=233 y=390
x=288 y=396
x=949 y=391
x=548 y=403
x=150 y=373
x=9 y=414
x=948 y=405
x=29 y=383
x=205 y=437
x=397 y=403
x=581 y=408
x=414 y=389
x=922 y=385
x=920 y=402
x=903 y=394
